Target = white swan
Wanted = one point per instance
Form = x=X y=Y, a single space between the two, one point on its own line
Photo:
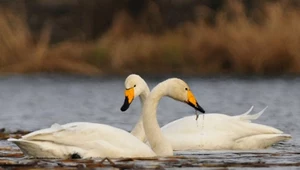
x=214 y=132
x=88 y=140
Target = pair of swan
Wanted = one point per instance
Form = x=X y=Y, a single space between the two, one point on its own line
x=86 y=140
x=90 y=140
x=211 y=131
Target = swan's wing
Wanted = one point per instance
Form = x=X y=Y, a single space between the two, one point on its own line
x=247 y=117
x=246 y=113
x=78 y=134
x=208 y=131
x=189 y=124
x=217 y=124
x=260 y=141
x=53 y=129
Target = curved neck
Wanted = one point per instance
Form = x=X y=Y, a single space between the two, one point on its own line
x=158 y=142
x=138 y=130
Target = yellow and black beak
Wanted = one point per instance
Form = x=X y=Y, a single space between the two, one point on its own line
x=129 y=96
x=193 y=102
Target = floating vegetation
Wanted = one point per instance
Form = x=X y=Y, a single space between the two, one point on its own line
x=11 y=157
x=17 y=134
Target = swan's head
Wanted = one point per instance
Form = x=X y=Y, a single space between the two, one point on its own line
x=179 y=90
x=134 y=86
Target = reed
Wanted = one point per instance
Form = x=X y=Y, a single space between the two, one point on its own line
x=262 y=42
x=22 y=53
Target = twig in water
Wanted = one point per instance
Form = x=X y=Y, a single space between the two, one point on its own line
x=110 y=161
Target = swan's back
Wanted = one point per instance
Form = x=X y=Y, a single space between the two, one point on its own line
x=217 y=124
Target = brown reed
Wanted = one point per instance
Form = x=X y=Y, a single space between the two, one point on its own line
x=264 y=42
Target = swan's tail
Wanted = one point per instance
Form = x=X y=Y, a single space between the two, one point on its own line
x=28 y=147
x=246 y=117
x=261 y=141
x=37 y=149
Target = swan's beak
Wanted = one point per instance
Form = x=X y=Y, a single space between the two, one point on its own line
x=193 y=102
x=129 y=96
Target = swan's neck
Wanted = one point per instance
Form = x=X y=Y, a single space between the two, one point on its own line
x=158 y=142
x=138 y=130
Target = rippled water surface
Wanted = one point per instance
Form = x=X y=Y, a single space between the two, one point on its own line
x=34 y=102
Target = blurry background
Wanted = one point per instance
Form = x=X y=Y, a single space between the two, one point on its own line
x=113 y=37
x=66 y=60
x=233 y=53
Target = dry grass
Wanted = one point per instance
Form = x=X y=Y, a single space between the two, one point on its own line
x=265 y=43
x=20 y=53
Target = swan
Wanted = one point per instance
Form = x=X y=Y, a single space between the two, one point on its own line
x=234 y=132
x=90 y=140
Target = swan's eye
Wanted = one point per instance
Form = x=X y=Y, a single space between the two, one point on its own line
x=134 y=85
x=186 y=89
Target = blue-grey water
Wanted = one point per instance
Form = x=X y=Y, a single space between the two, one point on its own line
x=37 y=101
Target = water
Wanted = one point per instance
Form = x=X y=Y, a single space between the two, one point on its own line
x=38 y=101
